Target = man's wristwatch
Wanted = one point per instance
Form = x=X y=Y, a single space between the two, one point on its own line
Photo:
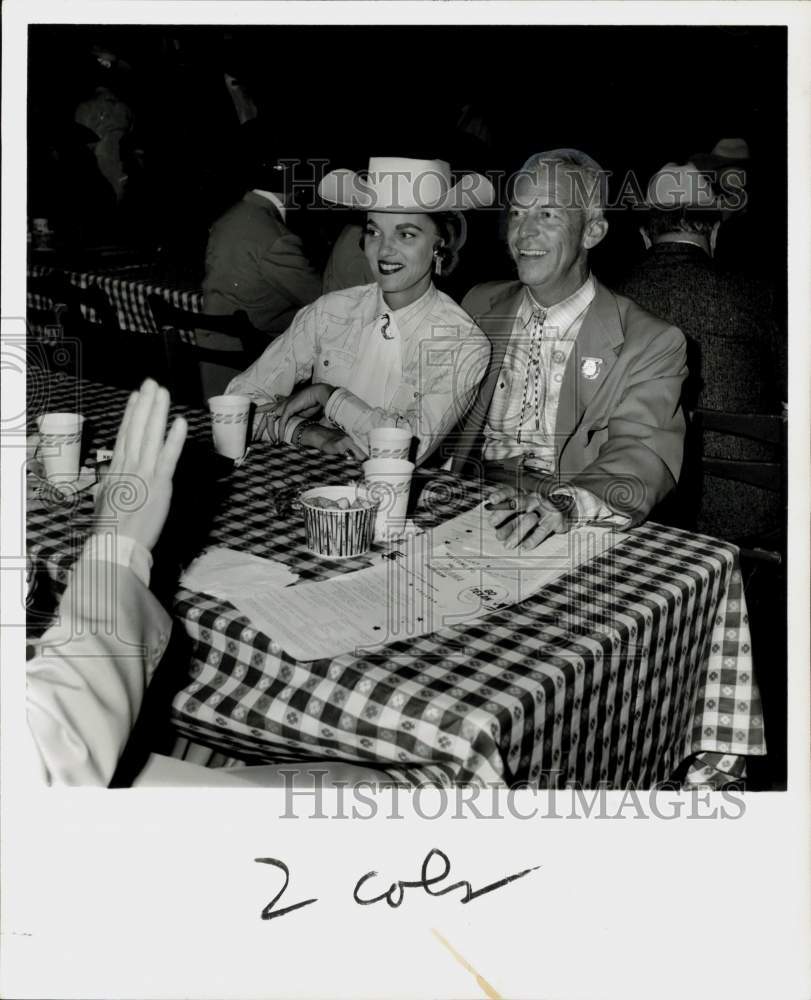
x=566 y=504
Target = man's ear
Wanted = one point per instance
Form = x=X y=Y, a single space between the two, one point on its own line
x=594 y=232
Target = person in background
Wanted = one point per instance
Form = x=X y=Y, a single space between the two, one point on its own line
x=120 y=211
x=253 y=261
x=347 y=265
x=86 y=174
x=398 y=352
x=734 y=347
x=731 y=172
x=67 y=187
x=579 y=416
x=110 y=118
x=87 y=678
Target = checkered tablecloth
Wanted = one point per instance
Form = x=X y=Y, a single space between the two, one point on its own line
x=618 y=673
x=128 y=290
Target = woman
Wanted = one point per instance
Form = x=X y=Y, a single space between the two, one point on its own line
x=396 y=353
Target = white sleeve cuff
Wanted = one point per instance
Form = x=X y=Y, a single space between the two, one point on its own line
x=350 y=414
x=333 y=406
x=122 y=550
x=591 y=509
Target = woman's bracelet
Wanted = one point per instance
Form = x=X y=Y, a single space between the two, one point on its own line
x=290 y=429
x=295 y=437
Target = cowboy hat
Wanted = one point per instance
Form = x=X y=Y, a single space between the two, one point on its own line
x=680 y=186
x=400 y=184
x=725 y=153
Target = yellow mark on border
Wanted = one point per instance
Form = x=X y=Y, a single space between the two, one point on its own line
x=480 y=980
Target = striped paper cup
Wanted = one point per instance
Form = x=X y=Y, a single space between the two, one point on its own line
x=60 y=445
x=336 y=533
x=389 y=442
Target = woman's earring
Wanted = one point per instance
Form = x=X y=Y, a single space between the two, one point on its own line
x=437 y=264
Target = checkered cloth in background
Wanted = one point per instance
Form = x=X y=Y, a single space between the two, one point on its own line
x=616 y=673
x=128 y=289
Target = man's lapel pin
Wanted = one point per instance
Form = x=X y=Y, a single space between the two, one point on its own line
x=590 y=368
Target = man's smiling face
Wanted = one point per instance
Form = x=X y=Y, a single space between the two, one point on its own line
x=550 y=231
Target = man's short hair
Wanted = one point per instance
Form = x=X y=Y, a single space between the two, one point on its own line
x=594 y=180
x=660 y=221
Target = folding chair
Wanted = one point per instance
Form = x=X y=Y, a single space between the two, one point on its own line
x=765 y=474
x=46 y=345
x=763 y=566
x=110 y=354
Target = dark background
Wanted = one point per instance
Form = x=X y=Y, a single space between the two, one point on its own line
x=632 y=97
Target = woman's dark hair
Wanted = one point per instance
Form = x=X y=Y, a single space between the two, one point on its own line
x=452 y=230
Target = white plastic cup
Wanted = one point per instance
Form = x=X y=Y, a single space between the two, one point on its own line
x=389 y=442
x=60 y=445
x=229 y=424
x=389 y=483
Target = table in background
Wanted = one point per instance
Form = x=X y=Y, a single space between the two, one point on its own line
x=128 y=288
x=617 y=673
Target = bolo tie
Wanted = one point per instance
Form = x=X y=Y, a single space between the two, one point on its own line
x=533 y=370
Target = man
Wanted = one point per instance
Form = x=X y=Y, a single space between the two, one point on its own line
x=730 y=167
x=346 y=265
x=734 y=349
x=579 y=413
x=254 y=262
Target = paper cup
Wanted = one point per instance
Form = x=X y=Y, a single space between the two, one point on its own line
x=389 y=483
x=229 y=424
x=335 y=533
x=60 y=445
x=389 y=442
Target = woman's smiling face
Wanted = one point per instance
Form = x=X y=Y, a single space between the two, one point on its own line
x=400 y=251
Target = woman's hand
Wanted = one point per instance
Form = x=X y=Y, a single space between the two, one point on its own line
x=136 y=491
x=523 y=518
x=265 y=416
x=331 y=441
x=307 y=402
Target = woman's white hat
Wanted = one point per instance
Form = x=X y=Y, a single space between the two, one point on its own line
x=399 y=184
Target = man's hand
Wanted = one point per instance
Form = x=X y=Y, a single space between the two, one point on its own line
x=523 y=518
x=136 y=491
x=307 y=402
x=331 y=441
